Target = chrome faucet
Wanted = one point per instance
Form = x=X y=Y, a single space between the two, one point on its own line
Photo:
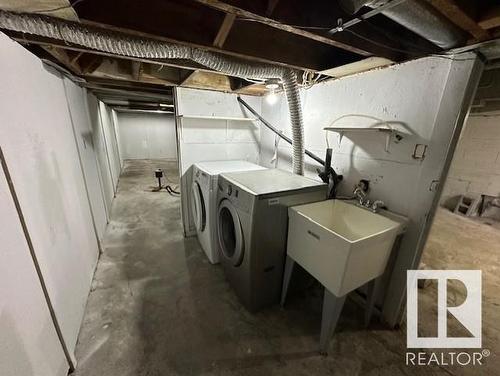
x=361 y=192
x=377 y=204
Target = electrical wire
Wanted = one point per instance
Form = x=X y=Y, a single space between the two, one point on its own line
x=58 y=8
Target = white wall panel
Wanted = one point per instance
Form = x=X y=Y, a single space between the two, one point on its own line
x=28 y=341
x=39 y=147
x=146 y=135
x=101 y=153
x=77 y=101
x=111 y=143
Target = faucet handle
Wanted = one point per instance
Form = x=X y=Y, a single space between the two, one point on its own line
x=377 y=204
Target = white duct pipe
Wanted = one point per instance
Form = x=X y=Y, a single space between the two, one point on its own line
x=125 y=45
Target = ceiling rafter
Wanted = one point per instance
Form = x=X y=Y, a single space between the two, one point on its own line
x=238 y=12
x=451 y=10
x=224 y=30
x=62 y=57
x=491 y=19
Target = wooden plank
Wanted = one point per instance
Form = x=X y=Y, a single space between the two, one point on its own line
x=187 y=77
x=129 y=32
x=455 y=14
x=490 y=19
x=136 y=68
x=238 y=12
x=224 y=30
x=89 y=63
x=76 y=57
x=62 y=57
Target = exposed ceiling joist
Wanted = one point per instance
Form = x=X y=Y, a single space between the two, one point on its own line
x=224 y=30
x=90 y=63
x=238 y=12
x=455 y=14
x=136 y=67
x=62 y=57
x=491 y=19
x=187 y=77
x=135 y=33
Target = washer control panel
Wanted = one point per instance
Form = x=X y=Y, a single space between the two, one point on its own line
x=240 y=198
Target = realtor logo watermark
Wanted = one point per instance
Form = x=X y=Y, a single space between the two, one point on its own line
x=468 y=314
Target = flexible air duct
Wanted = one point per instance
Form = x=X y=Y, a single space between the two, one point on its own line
x=122 y=44
x=418 y=16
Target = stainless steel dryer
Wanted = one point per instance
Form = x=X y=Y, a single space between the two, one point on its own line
x=252 y=225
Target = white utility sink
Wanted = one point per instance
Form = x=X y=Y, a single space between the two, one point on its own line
x=340 y=244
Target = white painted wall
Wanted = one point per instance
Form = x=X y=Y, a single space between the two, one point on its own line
x=425 y=96
x=146 y=135
x=37 y=138
x=212 y=139
x=28 y=341
x=111 y=143
x=475 y=169
x=103 y=164
x=78 y=107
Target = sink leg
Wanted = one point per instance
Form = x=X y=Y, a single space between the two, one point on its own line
x=286 y=278
x=371 y=297
x=332 y=306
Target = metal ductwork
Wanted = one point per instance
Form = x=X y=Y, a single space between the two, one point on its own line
x=103 y=40
x=417 y=16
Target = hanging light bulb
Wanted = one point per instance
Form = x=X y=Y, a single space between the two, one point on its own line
x=272 y=85
x=271 y=97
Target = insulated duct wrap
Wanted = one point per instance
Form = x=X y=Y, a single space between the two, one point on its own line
x=125 y=45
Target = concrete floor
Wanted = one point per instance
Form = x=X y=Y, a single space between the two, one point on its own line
x=457 y=242
x=157 y=307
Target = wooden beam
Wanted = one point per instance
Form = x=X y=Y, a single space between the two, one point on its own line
x=455 y=14
x=238 y=12
x=185 y=78
x=77 y=56
x=491 y=18
x=224 y=30
x=136 y=67
x=129 y=85
x=90 y=63
x=135 y=33
x=63 y=58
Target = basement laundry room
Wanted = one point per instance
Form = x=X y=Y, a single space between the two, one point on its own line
x=249 y=187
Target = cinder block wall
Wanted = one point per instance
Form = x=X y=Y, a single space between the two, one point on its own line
x=475 y=168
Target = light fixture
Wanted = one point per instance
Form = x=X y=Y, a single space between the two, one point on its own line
x=271 y=97
x=272 y=84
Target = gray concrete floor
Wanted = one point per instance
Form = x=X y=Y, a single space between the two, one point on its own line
x=157 y=307
x=457 y=242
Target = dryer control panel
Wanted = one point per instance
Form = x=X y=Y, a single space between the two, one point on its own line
x=240 y=198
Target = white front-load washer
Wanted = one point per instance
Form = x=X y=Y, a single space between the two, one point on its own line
x=252 y=229
x=204 y=200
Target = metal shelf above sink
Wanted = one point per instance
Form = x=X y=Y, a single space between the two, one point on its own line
x=390 y=134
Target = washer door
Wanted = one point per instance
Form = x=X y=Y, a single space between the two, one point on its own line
x=229 y=233
x=198 y=207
